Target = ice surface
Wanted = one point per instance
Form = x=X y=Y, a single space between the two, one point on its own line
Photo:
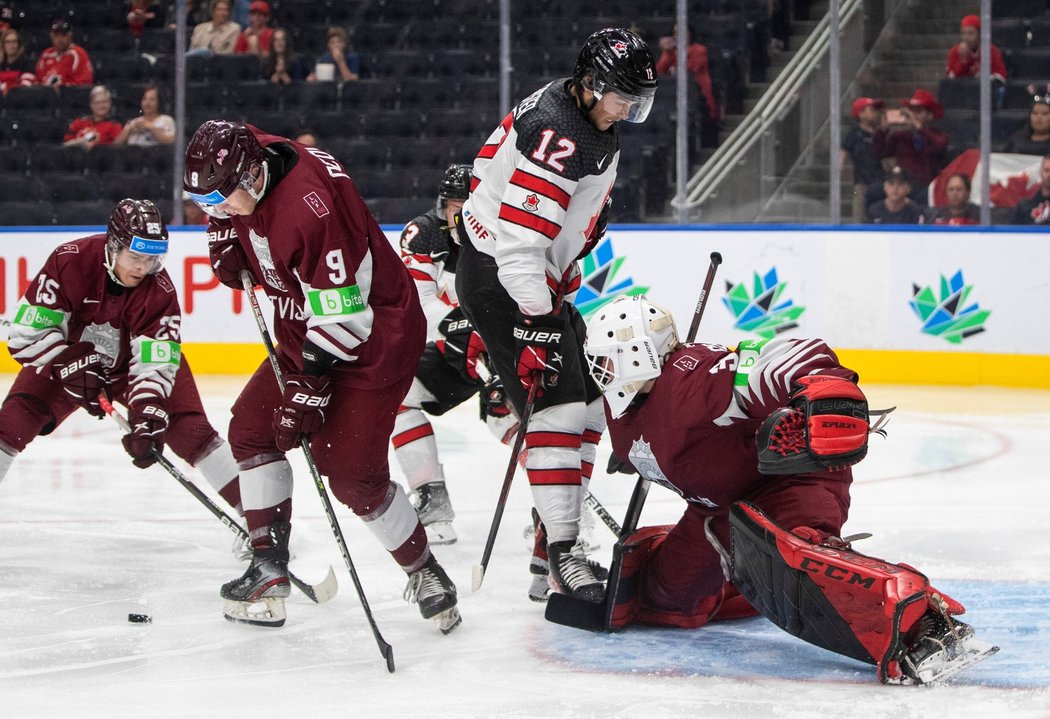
x=959 y=489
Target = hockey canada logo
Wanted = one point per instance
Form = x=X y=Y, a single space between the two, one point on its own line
x=532 y=202
x=947 y=314
x=764 y=310
x=619 y=47
x=603 y=279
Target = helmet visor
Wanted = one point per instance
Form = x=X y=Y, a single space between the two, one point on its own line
x=148 y=253
x=210 y=202
x=618 y=102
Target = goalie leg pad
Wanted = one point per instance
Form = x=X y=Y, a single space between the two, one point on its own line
x=826 y=427
x=835 y=598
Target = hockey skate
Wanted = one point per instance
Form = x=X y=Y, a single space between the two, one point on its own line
x=942 y=648
x=435 y=593
x=435 y=512
x=257 y=597
x=572 y=575
x=539 y=564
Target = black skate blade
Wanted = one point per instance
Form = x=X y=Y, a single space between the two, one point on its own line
x=573 y=612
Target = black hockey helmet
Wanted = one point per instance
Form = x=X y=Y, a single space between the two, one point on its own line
x=455 y=185
x=137 y=226
x=220 y=158
x=617 y=60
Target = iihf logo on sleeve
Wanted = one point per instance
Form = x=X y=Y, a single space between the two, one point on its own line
x=767 y=312
x=948 y=316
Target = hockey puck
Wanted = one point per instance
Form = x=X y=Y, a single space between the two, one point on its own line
x=140 y=618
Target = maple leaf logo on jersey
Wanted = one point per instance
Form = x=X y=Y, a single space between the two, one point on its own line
x=261 y=247
x=532 y=202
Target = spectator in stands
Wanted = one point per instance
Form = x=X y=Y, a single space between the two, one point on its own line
x=16 y=68
x=897 y=208
x=959 y=210
x=151 y=127
x=695 y=62
x=281 y=64
x=339 y=63
x=1036 y=209
x=867 y=170
x=65 y=62
x=964 y=59
x=218 y=35
x=255 y=39
x=913 y=143
x=307 y=137
x=143 y=14
x=1034 y=137
x=197 y=12
x=98 y=128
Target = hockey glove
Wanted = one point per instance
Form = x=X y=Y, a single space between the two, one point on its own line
x=538 y=339
x=824 y=427
x=80 y=370
x=227 y=258
x=496 y=412
x=463 y=345
x=301 y=413
x=149 y=424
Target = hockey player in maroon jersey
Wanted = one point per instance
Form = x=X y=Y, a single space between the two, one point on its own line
x=349 y=332
x=540 y=184
x=759 y=442
x=102 y=316
x=452 y=369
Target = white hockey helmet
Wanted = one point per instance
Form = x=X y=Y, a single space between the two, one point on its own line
x=627 y=343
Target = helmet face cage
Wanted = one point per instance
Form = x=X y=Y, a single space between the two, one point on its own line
x=618 y=61
x=137 y=227
x=454 y=186
x=221 y=158
x=627 y=342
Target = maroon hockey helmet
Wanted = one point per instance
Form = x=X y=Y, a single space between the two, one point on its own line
x=220 y=159
x=136 y=226
x=618 y=60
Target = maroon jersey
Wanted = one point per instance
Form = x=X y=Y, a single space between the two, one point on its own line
x=331 y=273
x=695 y=431
x=72 y=299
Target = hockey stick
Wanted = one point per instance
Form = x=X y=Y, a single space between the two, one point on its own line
x=384 y=648
x=318 y=593
x=581 y=614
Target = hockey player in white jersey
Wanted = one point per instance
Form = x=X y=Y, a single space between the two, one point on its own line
x=536 y=203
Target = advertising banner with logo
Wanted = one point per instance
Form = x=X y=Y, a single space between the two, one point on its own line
x=951 y=305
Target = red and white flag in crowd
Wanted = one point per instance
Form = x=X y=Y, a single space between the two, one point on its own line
x=1012 y=178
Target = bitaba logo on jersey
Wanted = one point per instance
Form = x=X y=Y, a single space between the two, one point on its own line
x=602 y=279
x=765 y=309
x=946 y=314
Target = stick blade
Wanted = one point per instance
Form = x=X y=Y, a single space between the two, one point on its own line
x=574 y=612
x=318 y=593
x=388 y=654
x=477 y=577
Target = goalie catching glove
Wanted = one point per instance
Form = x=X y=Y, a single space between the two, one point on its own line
x=149 y=424
x=538 y=338
x=301 y=413
x=824 y=427
x=79 y=369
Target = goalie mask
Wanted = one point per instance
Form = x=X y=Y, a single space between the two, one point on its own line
x=627 y=343
x=221 y=158
x=137 y=227
x=618 y=62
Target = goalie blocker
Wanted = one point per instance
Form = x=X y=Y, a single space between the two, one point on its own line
x=849 y=603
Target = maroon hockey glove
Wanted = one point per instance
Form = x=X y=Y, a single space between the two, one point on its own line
x=228 y=261
x=463 y=345
x=80 y=370
x=825 y=427
x=301 y=413
x=149 y=423
x=539 y=338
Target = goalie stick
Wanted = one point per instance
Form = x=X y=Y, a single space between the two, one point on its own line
x=384 y=647
x=579 y=613
x=318 y=593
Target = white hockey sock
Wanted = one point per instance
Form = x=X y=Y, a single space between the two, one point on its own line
x=265 y=486
x=415 y=447
x=553 y=465
x=393 y=523
x=219 y=467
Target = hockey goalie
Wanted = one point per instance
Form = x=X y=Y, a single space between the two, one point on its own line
x=759 y=442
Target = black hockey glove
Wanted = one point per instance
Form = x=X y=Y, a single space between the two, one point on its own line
x=227 y=258
x=149 y=424
x=80 y=370
x=463 y=345
x=539 y=338
x=301 y=413
x=495 y=410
